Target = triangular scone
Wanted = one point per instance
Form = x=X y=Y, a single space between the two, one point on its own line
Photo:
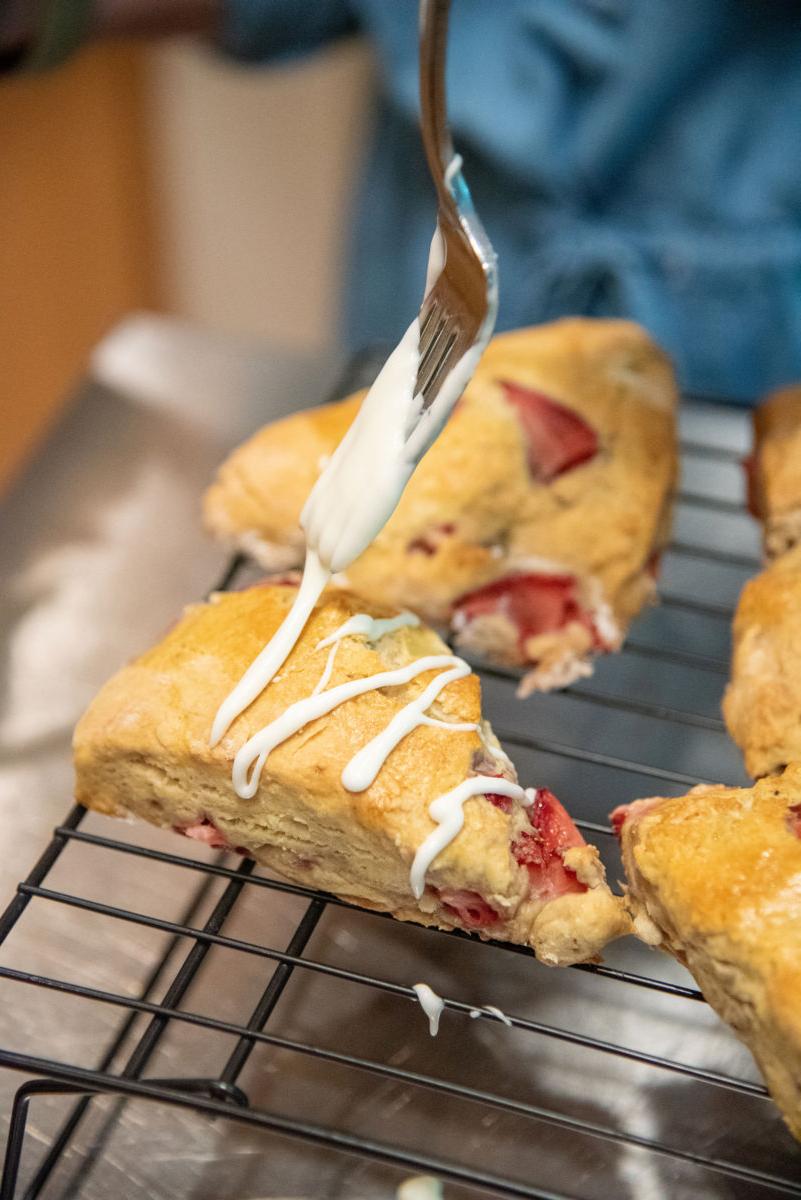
x=534 y=524
x=715 y=877
x=516 y=873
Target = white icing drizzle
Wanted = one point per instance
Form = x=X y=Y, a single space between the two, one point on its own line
x=448 y=812
x=325 y=678
x=420 y=1187
x=493 y=1011
x=251 y=758
x=277 y=650
x=364 y=766
x=496 y=1012
x=360 y=487
x=431 y=1004
x=453 y=726
x=452 y=170
x=356 y=493
x=373 y=628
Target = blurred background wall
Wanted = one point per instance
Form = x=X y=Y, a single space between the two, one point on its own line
x=168 y=178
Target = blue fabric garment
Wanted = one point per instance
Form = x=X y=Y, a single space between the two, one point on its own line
x=628 y=157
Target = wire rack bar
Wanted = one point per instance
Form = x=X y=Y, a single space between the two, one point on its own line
x=229 y=574
x=325 y=968
x=67 y=1130
x=253 y=1034
x=39 y=870
x=644 y=708
x=297 y=889
x=680 y=658
x=344 y=1141
x=711 y=503
x=715 y=453
x=187 y=971
x=749 y=562
x=290 y=1127
x=703 y=608
x=272 y=993
x=599 y=759
x=16 y=1129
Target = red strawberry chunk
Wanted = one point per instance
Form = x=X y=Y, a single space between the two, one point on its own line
x=534 y=604
x=636 y=809
x=558 y=439
x=541 y=851
x=654 y=564
x=429 y=543
x=617 y=818
x=471 y=909
x=207 y=832
x=504 y=803
x=793 y=819
x=422 y=545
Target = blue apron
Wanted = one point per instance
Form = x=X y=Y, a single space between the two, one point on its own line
x=629 y=158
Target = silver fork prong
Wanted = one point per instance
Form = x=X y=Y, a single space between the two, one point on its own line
x=459 y=310
x=428 y=313
x=437 y=332
x=438 y=363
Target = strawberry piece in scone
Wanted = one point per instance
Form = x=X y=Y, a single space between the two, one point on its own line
x=535 y=619
x=558 y=439
x=542 y=851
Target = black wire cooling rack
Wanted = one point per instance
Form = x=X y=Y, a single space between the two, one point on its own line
x=648 y=721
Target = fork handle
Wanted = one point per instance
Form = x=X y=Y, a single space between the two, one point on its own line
x=433 y=106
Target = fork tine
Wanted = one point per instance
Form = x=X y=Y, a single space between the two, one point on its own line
x=435 y=333
x=432 y=321
x=438 y=365
x=427 y=315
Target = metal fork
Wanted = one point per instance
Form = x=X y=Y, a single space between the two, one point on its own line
x=462 y=304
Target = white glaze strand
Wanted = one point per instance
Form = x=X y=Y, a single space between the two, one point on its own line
x=277 y=650
x=360 y=487
x=431 y=1004
x=452 y=726
x=496 y=1012
x=448 y=812
x=365 y=765
x=373 y=628
x=325 y=678
x=250 y=760
x=491 y=1010
x=420 y=1187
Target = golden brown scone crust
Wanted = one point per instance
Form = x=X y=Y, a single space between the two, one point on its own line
x=473 y=498
x=762 y=703
x=718 y=872
x=775 y=483
x=143 y=748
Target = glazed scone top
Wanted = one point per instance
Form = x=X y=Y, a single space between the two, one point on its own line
x=168 y=697
x=474 y=493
